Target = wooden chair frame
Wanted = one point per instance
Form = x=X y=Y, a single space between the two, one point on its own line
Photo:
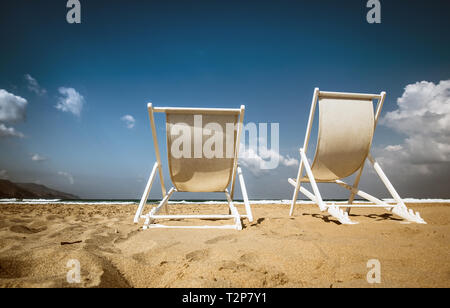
x=157 y=168
x=399 y=208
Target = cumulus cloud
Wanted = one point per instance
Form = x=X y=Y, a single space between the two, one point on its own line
x=255 y=153
x=129 y=120
x=34 y=86
x=419 y=166
x=68 y=176
x=264 y=159
x=6 y=131
x=12 y=110
x=12 y=107
x=70 y=101
x=423 y=116
x=393 y=148
x=38 y=158
x=4 y=175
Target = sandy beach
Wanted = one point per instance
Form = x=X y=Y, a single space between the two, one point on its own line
x=307 y=250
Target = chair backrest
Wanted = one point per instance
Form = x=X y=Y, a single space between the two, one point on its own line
x=209 y=160
x=346 y=128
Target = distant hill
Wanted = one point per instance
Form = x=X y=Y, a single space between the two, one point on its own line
x=9 y=189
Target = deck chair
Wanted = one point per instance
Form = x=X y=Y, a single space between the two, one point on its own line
x=346 y=127
x=195 y=170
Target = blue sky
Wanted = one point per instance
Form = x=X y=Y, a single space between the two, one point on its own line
x=267 y=55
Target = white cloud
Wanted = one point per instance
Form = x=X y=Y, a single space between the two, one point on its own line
x=12 y=107
x=4 y=175
x=70 y=101
x=265 y=160
x=68 y=176
x=423 y=116
x=289 y=161
x=393 y=148
x=38 y=158
x=34 y=86
x=129 y=120
x=9 y=132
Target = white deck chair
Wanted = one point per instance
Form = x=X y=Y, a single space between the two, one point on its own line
x=346 y=128
x=195 y=172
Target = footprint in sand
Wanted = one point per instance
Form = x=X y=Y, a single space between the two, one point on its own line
x=235 y=266
x=232 y=238
x=26 y=230
x=257 y=276
x=249 y=257
x=197 y=255
x=135 y=243
x=228 y=265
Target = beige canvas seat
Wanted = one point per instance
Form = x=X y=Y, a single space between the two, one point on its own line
x=346 y=127
x=203 y=174
x=202 y=155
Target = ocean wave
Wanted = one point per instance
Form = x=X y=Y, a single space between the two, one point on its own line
x=9 y=200
x=41 y=200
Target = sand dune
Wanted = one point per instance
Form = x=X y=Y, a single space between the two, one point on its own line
x=308 y=250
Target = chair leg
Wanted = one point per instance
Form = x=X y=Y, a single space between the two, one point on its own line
x=355 y=186
x=234 y=211
x=248 y=209
x=312 y=180
x=297 y=187
x=144 y=198
x=165 y=200
x=333 y=210
x=155 y=210
x=400 y=210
